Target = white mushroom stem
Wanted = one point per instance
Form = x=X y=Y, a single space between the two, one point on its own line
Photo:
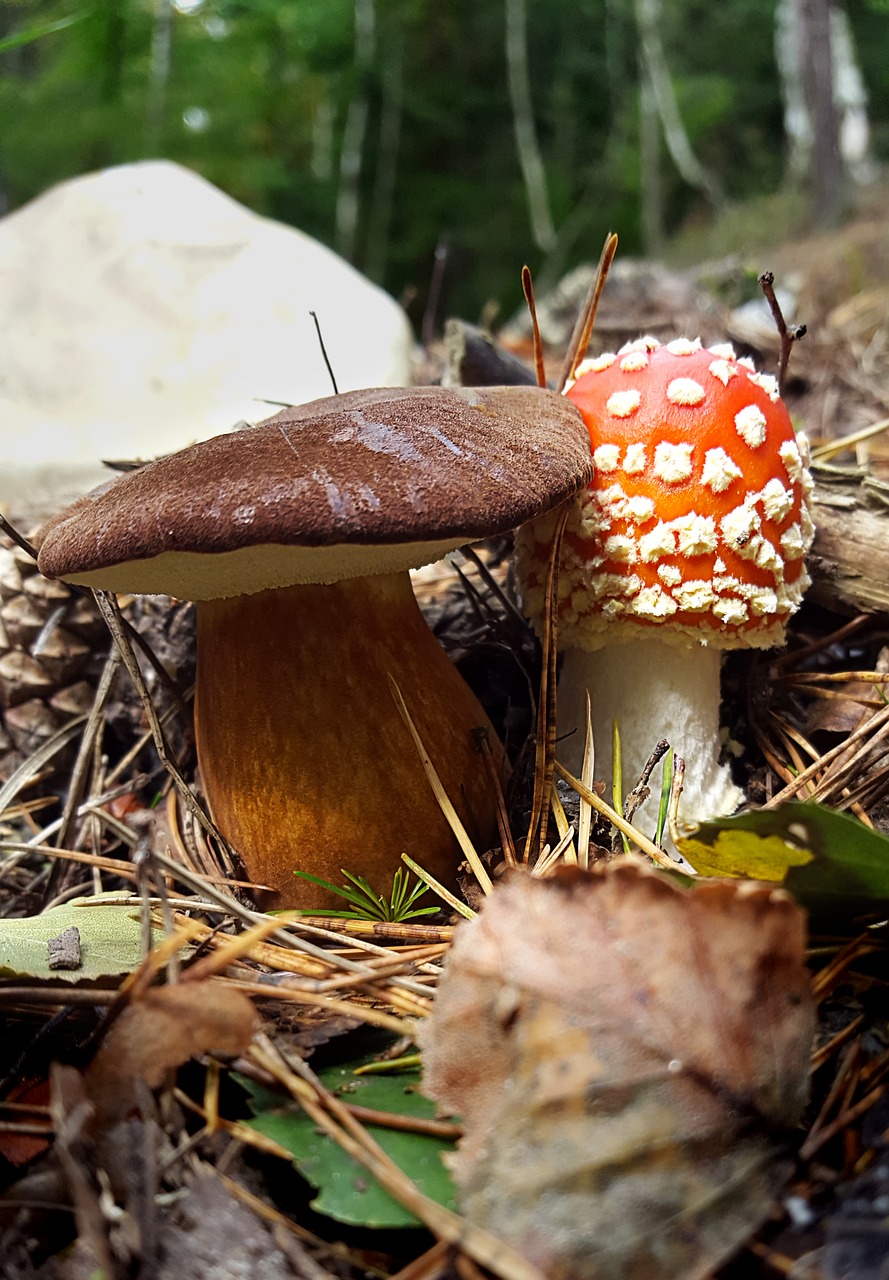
x=653 y=690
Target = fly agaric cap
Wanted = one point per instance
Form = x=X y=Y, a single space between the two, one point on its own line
x=696 y=523
x=362 y=483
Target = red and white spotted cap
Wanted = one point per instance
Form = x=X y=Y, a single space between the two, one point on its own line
x=696 y=523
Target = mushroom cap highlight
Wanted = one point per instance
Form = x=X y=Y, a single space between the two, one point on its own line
x=367 y=482
x=697 y=520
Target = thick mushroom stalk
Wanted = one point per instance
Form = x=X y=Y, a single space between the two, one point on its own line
x=690 y=539
x=302 y=746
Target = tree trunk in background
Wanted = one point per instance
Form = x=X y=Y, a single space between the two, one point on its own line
x=826 y=166
x=352 y=148
x=380 y=216
x=161 y=56
x=656 y=71
x=650 y=186
x=825 y=102
x=533 y=171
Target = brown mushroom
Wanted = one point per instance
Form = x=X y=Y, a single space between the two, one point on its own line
x=296 y=537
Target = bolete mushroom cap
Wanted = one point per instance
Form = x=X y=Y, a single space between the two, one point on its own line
x=295 y=538
x=367 y=482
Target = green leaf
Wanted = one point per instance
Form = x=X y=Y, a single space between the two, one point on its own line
x=110 y=941
x=39 y=31
x=831 y=862
x=346 y=1191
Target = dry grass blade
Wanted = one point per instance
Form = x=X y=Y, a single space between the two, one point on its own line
x=545 y=737
x=625 y=828
x=445 y=894
x=830 y=450
x=528 y=290
x=441 y=796
x=585 y=817
x=564 y=828
x=33 y=765
x=580 y=338
x=334 y=1118
x=875 y=729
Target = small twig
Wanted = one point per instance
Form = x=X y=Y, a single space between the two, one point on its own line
x=330 y=372
x=641 y=792
x=789 y=334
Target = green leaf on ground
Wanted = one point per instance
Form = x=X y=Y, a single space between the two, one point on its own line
x=110 y=941
x=832 y=863
x=346 y=1191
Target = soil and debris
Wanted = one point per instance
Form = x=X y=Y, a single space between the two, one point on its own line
x=174 y=1182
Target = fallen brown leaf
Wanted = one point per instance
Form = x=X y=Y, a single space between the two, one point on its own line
x=627 y=1057
x=163 y=1029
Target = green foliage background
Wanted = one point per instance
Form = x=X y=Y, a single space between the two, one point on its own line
x=256 y=94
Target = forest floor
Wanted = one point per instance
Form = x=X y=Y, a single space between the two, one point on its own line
x=257 y=1157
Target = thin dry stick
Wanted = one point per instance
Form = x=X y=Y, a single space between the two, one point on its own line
x=878 y=722
x=507 y=844
x=626 y=828
x=788 y=335
x=580 y=338
x=833 y=447
x=545 y=743
x=330 y=1114
x=441 y=795
x=528 y=290
x=110 y=610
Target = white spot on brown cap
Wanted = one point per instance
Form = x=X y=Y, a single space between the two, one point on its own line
x=685 y=391
x=623 y=404
x=750 y=424
x=672 y=462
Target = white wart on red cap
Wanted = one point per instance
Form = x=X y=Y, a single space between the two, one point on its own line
x=697 y=520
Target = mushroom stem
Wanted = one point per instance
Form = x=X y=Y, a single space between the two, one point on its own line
x=654 y=690
x=304 y=758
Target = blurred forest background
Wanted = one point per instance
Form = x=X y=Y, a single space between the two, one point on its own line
x=482 y=133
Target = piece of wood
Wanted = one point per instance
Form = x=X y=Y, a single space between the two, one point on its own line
x=849 y=560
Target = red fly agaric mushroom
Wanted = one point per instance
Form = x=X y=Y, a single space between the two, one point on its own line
x=295 y=537
x=689 y=540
